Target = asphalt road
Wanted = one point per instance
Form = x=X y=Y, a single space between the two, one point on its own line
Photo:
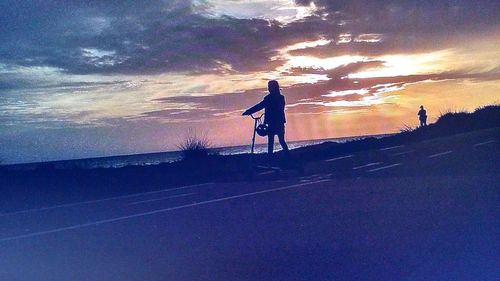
x=428 y=211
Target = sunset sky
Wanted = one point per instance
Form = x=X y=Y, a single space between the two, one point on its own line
x=98 y=78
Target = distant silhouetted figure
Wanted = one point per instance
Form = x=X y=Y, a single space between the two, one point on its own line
x=274 y=105
x=422 y=116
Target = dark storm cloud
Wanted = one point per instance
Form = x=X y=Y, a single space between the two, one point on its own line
x=136 y=37
x=409 y=15
x=404 y=26
x=19 y=84
x=156 y=36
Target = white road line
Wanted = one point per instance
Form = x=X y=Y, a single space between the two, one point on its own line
x=269 y=167
x=367 y=165
x=483 y=143
x=95 y=223
x=162 y=198
x=338 y=158
x=266 y=173
x=182 y=187
x=385 y=167
x=101 y=200
x=403 y=153
x=440 y=154
x=392 y=147
x=312 y=177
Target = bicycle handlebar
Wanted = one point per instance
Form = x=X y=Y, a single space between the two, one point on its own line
x=256 y=118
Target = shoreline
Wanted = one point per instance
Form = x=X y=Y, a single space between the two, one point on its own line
x=120 y=161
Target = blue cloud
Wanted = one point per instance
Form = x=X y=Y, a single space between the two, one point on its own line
x=140 y=37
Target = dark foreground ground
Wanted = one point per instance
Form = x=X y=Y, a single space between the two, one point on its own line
x=422 y=211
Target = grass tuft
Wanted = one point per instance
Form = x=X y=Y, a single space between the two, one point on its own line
x=406 y=129
x=195 y=147
x=458 y=120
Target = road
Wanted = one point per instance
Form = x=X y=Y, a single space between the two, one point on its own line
x=428 y=211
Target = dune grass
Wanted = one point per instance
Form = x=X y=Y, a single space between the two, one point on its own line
x=456 y=121
x=453 y=122
x=195 y=147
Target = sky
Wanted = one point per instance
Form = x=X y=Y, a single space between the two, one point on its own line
x=90 y=78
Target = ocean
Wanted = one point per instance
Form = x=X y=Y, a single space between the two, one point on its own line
x=147 y=159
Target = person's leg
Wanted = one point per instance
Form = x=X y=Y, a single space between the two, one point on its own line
x=270 y=143
x=270 y=148
x=281 y=138
x=286 y=160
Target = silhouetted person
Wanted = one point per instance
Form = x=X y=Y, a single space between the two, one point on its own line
x=274 y=105
x=422 y=116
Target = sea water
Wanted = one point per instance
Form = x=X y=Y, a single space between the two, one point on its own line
x=147 y=159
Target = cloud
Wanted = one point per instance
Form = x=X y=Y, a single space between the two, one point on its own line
x=283 y=11
x=424 y=16
x=339 y=91
x=154 y=37
x=128 y=37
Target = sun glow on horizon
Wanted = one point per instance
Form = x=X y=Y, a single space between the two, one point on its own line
x=347 y=93
x=405 y=65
